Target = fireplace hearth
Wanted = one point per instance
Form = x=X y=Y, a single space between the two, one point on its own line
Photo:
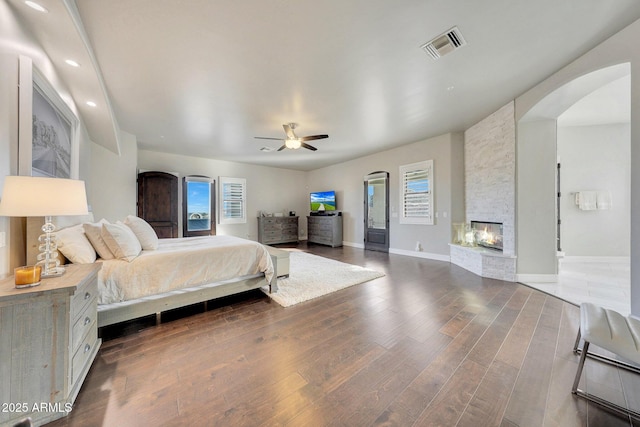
x=488 y=234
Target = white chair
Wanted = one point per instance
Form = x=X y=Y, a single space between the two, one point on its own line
x=613 y=332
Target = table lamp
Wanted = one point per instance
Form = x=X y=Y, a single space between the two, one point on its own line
x=39 y=196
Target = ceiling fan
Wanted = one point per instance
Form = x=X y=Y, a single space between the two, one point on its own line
x=294 y=142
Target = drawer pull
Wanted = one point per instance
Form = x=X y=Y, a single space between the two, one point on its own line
x=87 y=348
x=87 y=295
x=87 y=320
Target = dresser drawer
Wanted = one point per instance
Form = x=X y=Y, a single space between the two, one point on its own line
x=84 y=323
x=83 y=354
x=273 y=230
x=82 y=298
x=268 y=234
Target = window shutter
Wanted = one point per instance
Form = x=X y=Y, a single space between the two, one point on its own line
x=233 y=203
x=233 y=200
x=417 y=196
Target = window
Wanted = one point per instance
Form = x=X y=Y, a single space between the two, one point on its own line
x=233 y=200
x=198 y=195
x=416 y=193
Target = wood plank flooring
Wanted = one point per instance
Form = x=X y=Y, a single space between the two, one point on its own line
x=428 y=344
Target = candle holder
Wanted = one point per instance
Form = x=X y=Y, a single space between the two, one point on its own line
x=27 y=276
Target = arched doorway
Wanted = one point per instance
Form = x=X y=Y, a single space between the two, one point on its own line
x=582 y=126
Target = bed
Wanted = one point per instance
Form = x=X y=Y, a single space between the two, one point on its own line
x=142 y=275
x=180 y=272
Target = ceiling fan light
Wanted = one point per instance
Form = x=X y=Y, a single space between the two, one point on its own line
x=293 y=144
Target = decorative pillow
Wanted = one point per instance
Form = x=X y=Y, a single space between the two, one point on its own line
x=74 y=245
x=122 y=242
x=143 y=231
x=93 y=231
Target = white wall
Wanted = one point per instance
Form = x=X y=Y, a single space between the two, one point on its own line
x=347 y=179
x=536 y=198
x=8 y=141
x=112 y=190
x=595 y=158
x=268 y=189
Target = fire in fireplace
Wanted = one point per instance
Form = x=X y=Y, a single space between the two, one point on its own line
x=488 y=234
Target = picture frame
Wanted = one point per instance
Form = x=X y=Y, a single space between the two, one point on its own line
x=49 y=130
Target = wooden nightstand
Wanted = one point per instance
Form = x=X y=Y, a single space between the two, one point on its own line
x=48 y=341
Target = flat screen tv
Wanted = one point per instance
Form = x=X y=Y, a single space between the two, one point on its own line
x=323 y=201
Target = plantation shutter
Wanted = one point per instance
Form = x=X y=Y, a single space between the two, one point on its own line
x=416 y=203
x=233 y=203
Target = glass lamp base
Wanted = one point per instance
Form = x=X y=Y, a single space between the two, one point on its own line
x=30 y=285
x=53 y=272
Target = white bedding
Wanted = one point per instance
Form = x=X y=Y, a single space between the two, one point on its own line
x=181 y=263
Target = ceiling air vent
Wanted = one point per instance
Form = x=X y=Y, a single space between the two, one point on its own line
x=445 y=43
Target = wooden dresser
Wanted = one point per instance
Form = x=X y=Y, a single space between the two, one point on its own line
x=325 y=229
x=48 y=341
x=274 y=229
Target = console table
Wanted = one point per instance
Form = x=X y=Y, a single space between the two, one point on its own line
x=48 y=341
x=277 y=229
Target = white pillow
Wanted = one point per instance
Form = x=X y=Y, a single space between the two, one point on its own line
x=122 y=242
x=74 y=245
x=93 y=231
x=143 y=231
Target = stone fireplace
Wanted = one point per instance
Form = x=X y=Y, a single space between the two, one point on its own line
x=490 y=196
x=488 y=234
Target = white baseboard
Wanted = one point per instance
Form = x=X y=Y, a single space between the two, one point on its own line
x=426 y=255
x=537 y=278
x=353 y=245
x=592 y=259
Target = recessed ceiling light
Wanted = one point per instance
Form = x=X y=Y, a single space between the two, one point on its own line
x=36 y=6
x=91 y=104
x=72 y=62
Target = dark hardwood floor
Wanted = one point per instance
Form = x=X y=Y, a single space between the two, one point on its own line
x=428 y=344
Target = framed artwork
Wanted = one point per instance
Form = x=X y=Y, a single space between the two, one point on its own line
x=48 y=143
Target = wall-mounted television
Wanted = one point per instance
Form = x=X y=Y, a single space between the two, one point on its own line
x=323 y=201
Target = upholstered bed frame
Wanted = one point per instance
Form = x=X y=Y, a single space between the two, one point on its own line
x=109 y=314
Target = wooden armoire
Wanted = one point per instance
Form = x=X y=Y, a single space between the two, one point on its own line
x=158 y=202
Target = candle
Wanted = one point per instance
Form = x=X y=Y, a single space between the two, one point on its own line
x=27 y=276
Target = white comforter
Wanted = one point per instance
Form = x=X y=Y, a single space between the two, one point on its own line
x=181 y=263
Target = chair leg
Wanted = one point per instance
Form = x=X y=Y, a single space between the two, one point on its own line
x=583 y=357
x=576 y=350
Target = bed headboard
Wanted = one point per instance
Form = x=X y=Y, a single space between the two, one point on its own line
x=34 y=229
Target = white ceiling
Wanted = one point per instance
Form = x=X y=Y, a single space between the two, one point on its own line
x=204 y=77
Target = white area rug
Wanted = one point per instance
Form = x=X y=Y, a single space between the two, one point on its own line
x=311 y=276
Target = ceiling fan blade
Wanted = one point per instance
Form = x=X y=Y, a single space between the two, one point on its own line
x=308 y=147
x=313 y=137
x=289 y=131
x=282 y=148
x=264 y=137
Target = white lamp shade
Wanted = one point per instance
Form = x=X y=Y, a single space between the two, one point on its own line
x=38 y=196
